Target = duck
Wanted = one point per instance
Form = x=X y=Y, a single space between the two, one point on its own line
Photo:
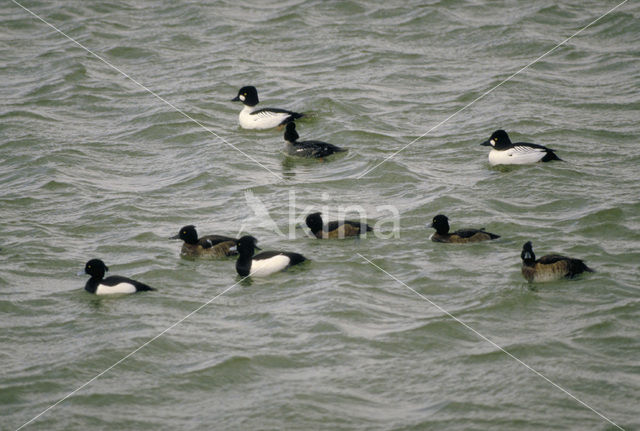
x=265 y=263
x=115 y=284
x=504 y=152
x=315 y=149
x=335 y=229
x=441 y=224
x=252 y=117
x=550 y=267
x=207 y=246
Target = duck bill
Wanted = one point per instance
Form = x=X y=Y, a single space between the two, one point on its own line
x=236 y=99
x=79 y=273
x=175 y=237
x=256 y=247
x=486 y=143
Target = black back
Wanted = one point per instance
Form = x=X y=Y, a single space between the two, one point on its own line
x=295 y=257
x=333 y=225
x=468 y=233
x=292 y=115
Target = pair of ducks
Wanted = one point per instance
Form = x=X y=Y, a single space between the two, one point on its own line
x=261 y=265
x=252 y=117
x=267 y=262
x=547 y=268
x=503 y=151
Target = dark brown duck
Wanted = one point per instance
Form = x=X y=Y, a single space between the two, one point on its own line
x=550 y=267
x=441 y=224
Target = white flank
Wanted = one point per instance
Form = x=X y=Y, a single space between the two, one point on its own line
x=118 y=288
x=263 y=120
x=516 y=156
x=263 y=267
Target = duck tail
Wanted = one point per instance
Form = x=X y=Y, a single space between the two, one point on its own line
x=551 y=156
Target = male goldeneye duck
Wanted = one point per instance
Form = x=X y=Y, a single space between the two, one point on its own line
x=111 y=285
x=307 y=148
x=441 y=224
x=504 y=152
x=264 y=263
x=550 y=267
x=251 y=117
x=207 y=246
x=335 y=229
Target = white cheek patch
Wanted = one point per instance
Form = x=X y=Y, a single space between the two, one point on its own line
x=242 y=98
x=493 y=143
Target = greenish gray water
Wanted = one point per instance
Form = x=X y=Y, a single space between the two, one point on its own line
x=94 y=166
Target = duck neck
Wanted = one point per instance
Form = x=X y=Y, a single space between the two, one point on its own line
x=243 y=264
x=443 y=230
x=249 y=109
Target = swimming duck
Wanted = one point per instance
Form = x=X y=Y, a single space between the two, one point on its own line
x=503 y=152
x=315 y=149
x=265 y=263
x=252 y=117
x=550 y=267
x=335 y=229
x=207 y=246
x=111 y=285
x=441 y=224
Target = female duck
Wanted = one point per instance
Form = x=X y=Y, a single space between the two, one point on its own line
x=335 y=229
x=441 y=224
x=265 y=263
x=111 y=285
x=550 y=267
x=207 y=246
